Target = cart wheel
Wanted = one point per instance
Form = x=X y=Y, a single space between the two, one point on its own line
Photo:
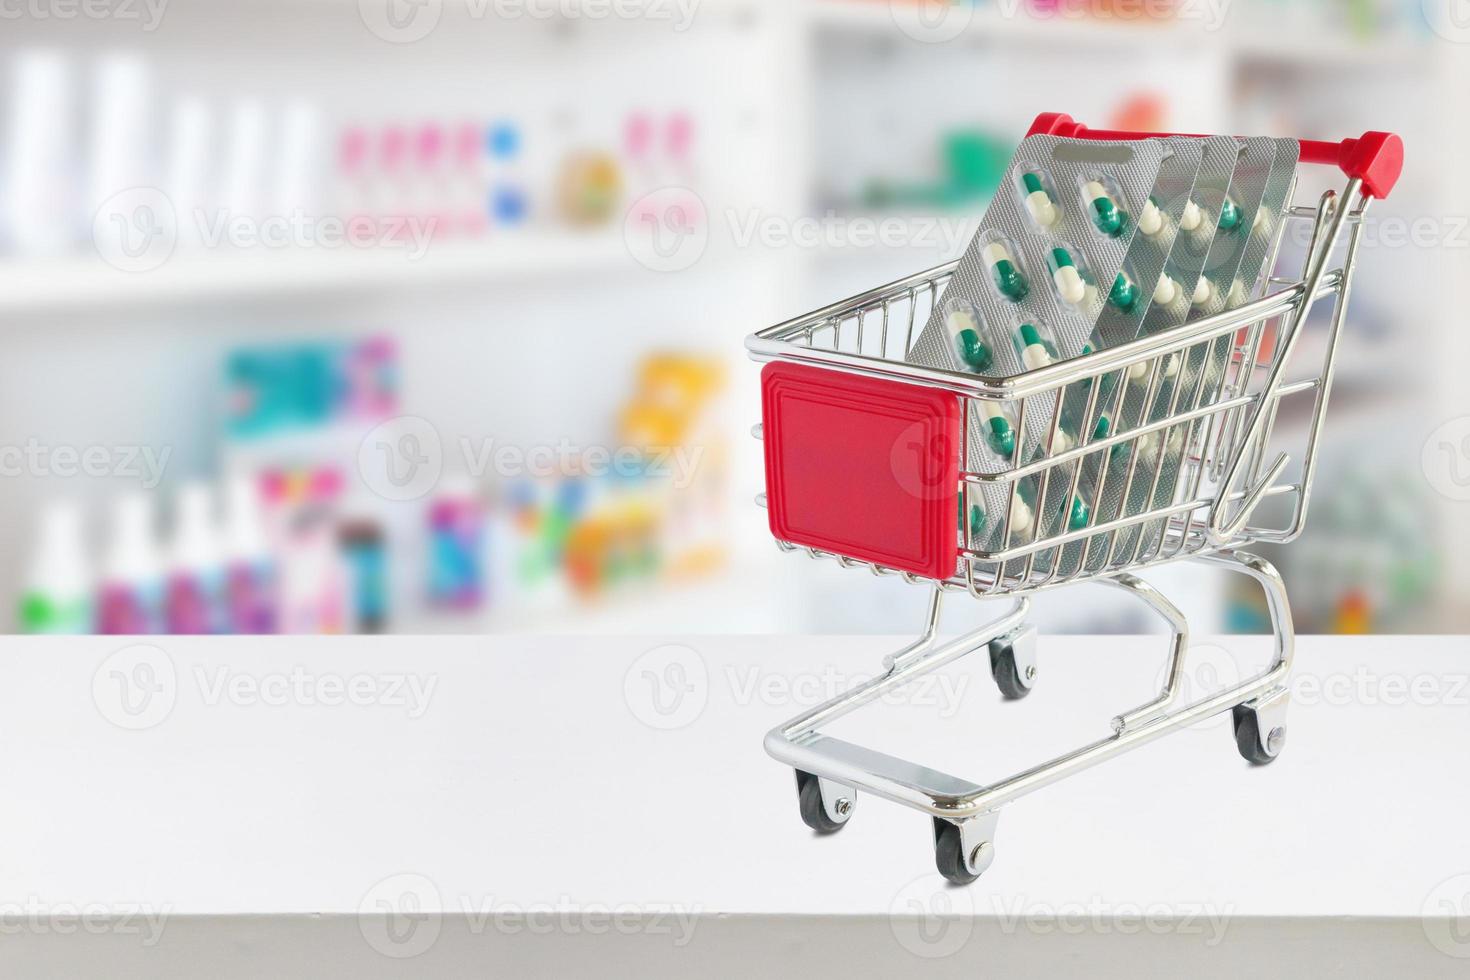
x=949 y=854
x=815 y=812
x=1256 y=750
x=1013 y=664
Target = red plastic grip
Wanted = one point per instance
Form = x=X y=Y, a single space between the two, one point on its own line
x=1375 y=158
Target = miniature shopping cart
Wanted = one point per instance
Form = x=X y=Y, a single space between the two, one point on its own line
x=867 y=463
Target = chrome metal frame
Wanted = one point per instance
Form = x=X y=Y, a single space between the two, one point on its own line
x=1217 y=438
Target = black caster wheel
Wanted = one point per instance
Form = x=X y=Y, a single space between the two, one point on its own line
x=949 y=854
x=1014 y=674
x=814 y=810
x=1256 y=747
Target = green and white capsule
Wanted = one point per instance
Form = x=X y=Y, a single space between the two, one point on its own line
x=977 y=519
x=1106 y=215
x=964 y=331
x=1071 y=287
x=1035 y=346
x=1023 y=496
x=1206 y=297
x=1168 y=291
x=999 y=432
x=1264 y=223
x=1193 y=218
x=1080 y=514
x=1124 y=294
x=1039 y=204
x=1005 y=272
x=1230 y=216
x=1151 y=221
x=1237 y=295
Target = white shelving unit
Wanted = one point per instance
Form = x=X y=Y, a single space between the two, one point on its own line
x=764 y=90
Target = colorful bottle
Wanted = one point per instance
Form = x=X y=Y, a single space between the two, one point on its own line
x=250 y=568
x=130 y=599
x=456 y=549
x=367 y=572
x=58 y=591
x=508 y=205
x=194 y=596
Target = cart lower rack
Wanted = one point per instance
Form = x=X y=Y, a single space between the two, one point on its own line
x=845 y=364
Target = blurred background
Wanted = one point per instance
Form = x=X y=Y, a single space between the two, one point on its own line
x=427 y=315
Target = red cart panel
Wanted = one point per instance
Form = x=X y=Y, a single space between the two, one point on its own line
x=862 y=467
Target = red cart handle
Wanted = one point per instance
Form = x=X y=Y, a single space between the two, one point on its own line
x=1376 y=159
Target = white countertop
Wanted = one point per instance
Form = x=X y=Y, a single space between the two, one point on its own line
x=514 y=774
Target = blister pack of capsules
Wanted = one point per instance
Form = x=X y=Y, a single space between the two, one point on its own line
x=1087 y=245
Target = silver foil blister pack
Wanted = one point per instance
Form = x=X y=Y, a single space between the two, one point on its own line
x=1243 y=221
x=1010 y=325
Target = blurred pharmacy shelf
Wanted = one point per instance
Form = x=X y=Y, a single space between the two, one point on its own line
x=69 y=284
